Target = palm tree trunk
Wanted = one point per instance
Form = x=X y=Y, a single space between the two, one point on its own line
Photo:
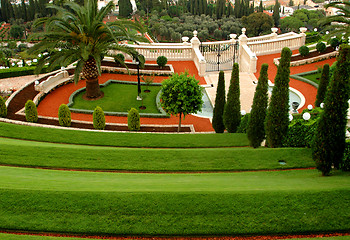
x=90 y=73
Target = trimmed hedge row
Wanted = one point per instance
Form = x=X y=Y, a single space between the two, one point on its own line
x=19 y=71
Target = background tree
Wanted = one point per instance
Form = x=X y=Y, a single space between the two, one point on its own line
x=257 y=23
x=261 y=7
x=276 y=13
x=82 y=36
x=322 y=87
x=218 y=112
x=256 y=128
x=277 y=118
x=329 y=141
x=232 y=109
x=289 y=24
x=181 y=94
x=16 y=32
x=125 y=8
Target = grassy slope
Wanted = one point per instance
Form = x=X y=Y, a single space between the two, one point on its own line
x=313 y=77
x=123 y=139
x=181 y=204
x=120 y=98
x=26 y=237
x=25 y=153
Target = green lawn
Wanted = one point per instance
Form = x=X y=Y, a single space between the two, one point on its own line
x=123 y=139
x=313 y=77
x=120 y=98
x=174 y=204
x=25 y=153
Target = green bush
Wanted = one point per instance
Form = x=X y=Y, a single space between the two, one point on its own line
x=64 y=116
x=119 y=58
x=334 y=42
x=22 y=47
x=304 y=50
x=243 y=126
x=31 y=111
x=321 y=47
x=312 y=37
x=3 y=108
x=161 y=61
x=300 y=133
x=99 y=120
x=12 y=45
x=19 y=71
x=133 y=120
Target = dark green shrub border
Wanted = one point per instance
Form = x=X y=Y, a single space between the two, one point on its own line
x=20 y=71
x=162 y=113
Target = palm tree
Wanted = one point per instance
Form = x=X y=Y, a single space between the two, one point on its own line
x=78 y=33
x=339 y=23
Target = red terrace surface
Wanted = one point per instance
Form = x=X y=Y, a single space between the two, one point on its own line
x=50 y=104
x=307 y=90
x=321 y=235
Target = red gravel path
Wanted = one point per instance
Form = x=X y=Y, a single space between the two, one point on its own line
x=307 y=90
x=320 y=235
x=50 y=104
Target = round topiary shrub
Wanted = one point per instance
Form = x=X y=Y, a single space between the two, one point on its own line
x=334 y=42
x=119 y=58
x=304 y=50
x=161 y=61
x=3 y=108
x=133 y=120
x=99 y=120
x=64 y=116
x=321 y=47
x=31 y=111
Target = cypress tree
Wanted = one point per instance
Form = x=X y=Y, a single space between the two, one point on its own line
x=322 y=88
x=232 y=110
x=277 y=118
x=276 y=14
x=329 y=141
x=237 y=9
x=219 y=106
x=256 y=129
x=261 y=8
x=125 y=8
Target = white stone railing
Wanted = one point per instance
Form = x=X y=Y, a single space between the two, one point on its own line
x=248 y=60
x=173 y=52
x=276 y=45
x=52 y=82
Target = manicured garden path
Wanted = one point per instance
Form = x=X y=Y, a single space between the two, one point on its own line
x=307 y=90
x=50 y=104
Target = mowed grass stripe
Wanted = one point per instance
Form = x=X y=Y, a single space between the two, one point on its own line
x=175 y=213
x=123 y=139
x=41 y=154
x=246 y=182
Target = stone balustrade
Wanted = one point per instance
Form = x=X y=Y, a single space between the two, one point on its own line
x=52 y=82
x=249 y=48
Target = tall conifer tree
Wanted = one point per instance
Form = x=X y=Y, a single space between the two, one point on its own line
x=277 y=119
x=329 y=141
x=232 y=110
x=256 y=128
x=219 y=106
x=322 y=87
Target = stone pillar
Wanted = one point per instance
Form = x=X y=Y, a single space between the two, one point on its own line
x=197 y=55
x=303 y=35
x=242 y=40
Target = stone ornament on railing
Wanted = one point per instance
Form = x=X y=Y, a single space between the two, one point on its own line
x=233 y=37
x=195 y=41
x=303 y=29
x=274 y=32
x=185 y=40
